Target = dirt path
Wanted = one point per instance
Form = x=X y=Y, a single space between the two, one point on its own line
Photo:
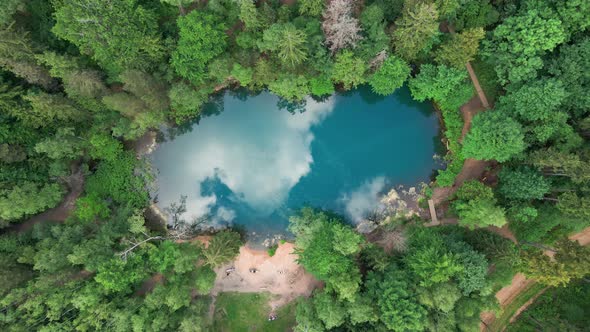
x=520 y=283
x=480 y=93
x=472 y=169
x=583 y=237
x=61 y=212
x=279 y=275
x=468 y=111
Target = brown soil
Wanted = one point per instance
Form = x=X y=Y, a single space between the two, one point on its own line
x=526 y=305
x=519 y=283
x=150 y=284
x=279 y=275
x=468 y=111
x=583 y=237
x=503 y=231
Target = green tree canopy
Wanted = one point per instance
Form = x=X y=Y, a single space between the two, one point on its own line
x=493 y=136
x=118 y=34
x=460 y=48
x=519 y=42
x=390 y=76
x=201 y=39
x=415 y=29
x=348 y=70
x=287 y=41
x=522 y=184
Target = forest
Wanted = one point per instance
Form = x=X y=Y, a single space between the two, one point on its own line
x=82 y=80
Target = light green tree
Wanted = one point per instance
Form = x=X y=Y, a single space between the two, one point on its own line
x=349 y=70
x=118 y=34
x=222 y=248
x=201 y=39
x=311 y=7
x=28 y=198
x=415 y=29
x=390 y=76
x=287 y=42
x=493 y=136
x=460 y=48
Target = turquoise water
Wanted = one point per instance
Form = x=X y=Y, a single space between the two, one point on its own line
x=254 y=164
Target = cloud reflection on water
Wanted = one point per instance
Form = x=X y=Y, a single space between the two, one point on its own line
x=259 y=154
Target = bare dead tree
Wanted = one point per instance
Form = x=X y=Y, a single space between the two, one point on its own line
x=175 y=236
x=378 y=60
x=129 y=250
x=340 y=27
x=176 y=210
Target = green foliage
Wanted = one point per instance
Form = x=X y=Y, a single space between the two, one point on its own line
x=287 y=42
x=117 y=275
x=17 y=55
x=91 y=207
x=290 y=87
x=326 y=249
x=397 y=303
x=9 y=8
x=104 y=146
x=348 y=70
x=560 y=307
x=249 y=15
x=436 y=82
x=433 y=265
x=311 y=7
x=475 y=13
x=493 y=136
x=572 y=205
x=569 y=68
x=415 y=29
x=391 y=75
x=571 y=261
x=65 y=144
x=186 y=102
x=201 y=39
x=321 y=86
x=476 y=206
x=46 y=109
x=28 y=198
x=538 y=100
x=333 y=313
x=522 y=184
x=118 y=34
x=224 y=247
x=117 y=179
x=242 y=74
x=519 y=42
x=440 y=297
x=460 y=48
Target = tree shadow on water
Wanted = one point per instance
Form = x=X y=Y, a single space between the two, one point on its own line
x=292 y=106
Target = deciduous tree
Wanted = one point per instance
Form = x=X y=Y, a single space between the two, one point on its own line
x=493 y=136
x=340 y=27
x=460 y=48
x=415 y=29
x=522 y=184
x=349 y=70
x=201 y=39
x=118 y=34
x=390 y=76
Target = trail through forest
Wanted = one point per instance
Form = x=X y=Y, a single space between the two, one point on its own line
x=61 y=212
x=472 y=168
x=520 y=283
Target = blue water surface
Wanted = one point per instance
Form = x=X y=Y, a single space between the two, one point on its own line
x=253 y=163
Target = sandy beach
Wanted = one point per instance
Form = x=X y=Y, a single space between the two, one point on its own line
x=279 y=275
